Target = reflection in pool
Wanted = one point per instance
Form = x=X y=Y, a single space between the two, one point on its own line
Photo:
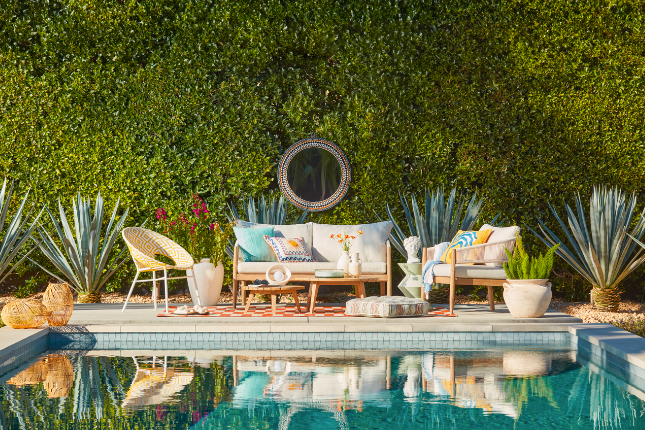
x=325 y=389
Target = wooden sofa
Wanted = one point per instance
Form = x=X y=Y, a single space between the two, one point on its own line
x=379 y=270
x=472 y=265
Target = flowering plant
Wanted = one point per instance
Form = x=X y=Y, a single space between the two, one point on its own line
x=346 y=240
x=198 y=233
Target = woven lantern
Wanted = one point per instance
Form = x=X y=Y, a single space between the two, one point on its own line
x=60 y=376
x=59 y=301
x=24 y=314
x=34 y=375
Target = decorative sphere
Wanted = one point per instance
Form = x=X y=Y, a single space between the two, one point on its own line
x=278 y=276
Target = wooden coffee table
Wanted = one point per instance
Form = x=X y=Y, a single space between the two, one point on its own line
x=358 y=283
x=273 y=290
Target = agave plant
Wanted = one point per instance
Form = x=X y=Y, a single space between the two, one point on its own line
x=603 y=254
x=86 y=254
x=440 y=220
x=16 y=234
x=273 y=212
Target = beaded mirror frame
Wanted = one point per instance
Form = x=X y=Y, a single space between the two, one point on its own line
x=345 y=173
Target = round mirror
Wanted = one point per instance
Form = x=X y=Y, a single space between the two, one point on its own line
x=314 y=174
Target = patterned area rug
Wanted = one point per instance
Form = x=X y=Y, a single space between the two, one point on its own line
x=285 y=311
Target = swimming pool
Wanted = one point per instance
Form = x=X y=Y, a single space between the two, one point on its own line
x=519 y=388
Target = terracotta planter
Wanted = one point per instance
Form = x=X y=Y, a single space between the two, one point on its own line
x=527 y=298
x=209 y=281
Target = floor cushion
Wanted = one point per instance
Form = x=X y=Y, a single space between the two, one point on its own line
x=387 y=307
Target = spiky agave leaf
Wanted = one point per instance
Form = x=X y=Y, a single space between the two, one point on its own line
x=86 y=251
x=603 y=252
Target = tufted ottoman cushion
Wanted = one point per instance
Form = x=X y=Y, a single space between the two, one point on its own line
x=387 y=307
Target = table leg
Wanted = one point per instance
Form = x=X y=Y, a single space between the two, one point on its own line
x=312 y=297
x=274 y=297
x=362 y=287
x=243 y=291
x=295 y=299
x=248 y=302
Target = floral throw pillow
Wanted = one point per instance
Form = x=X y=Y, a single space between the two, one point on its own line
x=289 y=250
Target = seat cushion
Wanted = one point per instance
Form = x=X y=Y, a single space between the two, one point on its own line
x=307 y=268
x=371 y=245
x=386 y=307
x=471 y=271
x=289 y=230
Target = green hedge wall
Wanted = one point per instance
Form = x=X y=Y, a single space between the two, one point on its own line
x=524 y=101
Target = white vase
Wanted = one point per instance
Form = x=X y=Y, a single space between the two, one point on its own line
x=527 y=298
x=343 y=262
x=209 y=280
x=355 y=266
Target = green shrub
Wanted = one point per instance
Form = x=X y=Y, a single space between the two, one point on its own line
x=521 y=265
x=147 y=101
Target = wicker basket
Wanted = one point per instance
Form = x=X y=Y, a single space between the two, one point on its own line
x=59 y=301
x=60 y=376
x=35 y=374
x=24 y=314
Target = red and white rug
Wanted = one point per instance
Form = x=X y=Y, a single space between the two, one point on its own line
x=284 y=311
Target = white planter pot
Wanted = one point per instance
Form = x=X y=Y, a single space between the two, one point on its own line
x=343 y=262
x=527 y=298
x=209 y=281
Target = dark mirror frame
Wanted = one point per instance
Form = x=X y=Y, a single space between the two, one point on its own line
x=345 y=176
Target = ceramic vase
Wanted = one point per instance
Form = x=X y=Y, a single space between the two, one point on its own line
x=527 y=298
x=355 y=266
x=343 y=262
x=209 y=280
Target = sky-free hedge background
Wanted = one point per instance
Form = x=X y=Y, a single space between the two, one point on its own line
x=524 y=101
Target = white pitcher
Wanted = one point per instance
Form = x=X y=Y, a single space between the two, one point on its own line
x=355 y=266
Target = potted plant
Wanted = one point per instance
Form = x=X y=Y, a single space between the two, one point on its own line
x=527 y=292
x=205 y=239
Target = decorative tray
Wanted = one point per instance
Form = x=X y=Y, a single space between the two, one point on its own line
x=321 y=273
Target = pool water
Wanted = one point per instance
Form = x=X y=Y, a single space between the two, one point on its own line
x=515 y=389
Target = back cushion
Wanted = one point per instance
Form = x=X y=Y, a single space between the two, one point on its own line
x=370 y=245
x=294 y=230
x=499 y=234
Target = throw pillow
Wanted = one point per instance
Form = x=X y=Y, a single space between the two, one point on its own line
x=463 y=239
x=253 y=247
x=289 y=250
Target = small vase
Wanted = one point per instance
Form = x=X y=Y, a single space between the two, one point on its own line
x=209 y=282
x=355 y=266
x=343 y=262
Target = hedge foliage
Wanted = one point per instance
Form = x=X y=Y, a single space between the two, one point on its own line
x=523 y=100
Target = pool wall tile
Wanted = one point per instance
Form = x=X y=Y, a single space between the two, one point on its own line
x=295 y=341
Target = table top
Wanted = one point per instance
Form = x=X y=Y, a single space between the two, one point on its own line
x=344 y=281
x=274 y=287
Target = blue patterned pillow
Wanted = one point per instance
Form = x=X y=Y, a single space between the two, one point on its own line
x=253 y=247
x=289 y=250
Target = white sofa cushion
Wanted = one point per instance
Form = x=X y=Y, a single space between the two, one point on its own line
x=289 y=230
x=371 y=245
x=307 y=268
x=465 y=271
x=499 y=234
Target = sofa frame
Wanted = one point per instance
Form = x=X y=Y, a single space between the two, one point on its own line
x=384 y=279
x=469 y=255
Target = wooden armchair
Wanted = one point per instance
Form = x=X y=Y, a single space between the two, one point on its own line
x=472 y=265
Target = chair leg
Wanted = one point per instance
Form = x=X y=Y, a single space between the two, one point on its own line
x=154 y=288
x=295 y=299
x=243 y=292
x=130 y=293
x=165 y=277
x=312 y=297
x=491 y=298
x=235 y=293
x=382 y=289
x=273 y=303
x=452 y=280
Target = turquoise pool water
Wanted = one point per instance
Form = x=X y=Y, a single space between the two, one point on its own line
x=514 y=389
